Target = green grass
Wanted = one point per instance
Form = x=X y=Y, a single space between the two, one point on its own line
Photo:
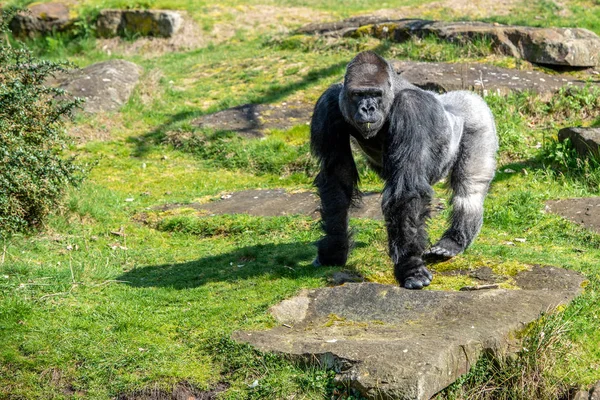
x=115 y=297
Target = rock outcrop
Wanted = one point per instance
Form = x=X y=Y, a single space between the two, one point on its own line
x=585 y=140
x=158 y=23
x=42 y=19
x=105 y=86
x=572 y=47
x=393 y=343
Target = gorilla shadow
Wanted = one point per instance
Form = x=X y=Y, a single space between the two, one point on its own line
x=281 y=260
x=143 y=143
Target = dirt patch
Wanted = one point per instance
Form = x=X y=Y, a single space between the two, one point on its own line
x=254 y=120
x=182 y=391
x=97 y=128
x=584 y=211
x=452 y=9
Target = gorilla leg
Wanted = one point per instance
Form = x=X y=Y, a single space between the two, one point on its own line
x=405 y=216
x=470 y=179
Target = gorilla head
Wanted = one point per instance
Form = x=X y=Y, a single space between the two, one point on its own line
x=367 y=95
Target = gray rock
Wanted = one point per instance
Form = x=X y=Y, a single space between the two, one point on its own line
x=105 y=86
x=583 y=211
x=159 y=23
x=482 y=78
x=42 y=19
x=582 y=395
x=574 y=47
x=278 y=202
x=595 y=392
x=253 y=120
x=341 y=277
x=390 y=342
x=585 y=140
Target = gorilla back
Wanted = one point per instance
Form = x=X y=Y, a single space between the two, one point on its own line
x=413 y=139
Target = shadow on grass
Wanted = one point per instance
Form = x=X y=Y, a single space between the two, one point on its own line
x=273 y=94
x=285 y=260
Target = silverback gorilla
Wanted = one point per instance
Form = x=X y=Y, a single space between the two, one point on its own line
x=412 y=138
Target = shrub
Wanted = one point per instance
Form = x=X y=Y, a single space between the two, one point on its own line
x=33 y=171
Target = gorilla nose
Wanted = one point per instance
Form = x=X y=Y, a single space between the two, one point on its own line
x=368 y=109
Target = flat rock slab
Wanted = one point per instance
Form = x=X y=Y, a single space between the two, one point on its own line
x=278 y=202
x=583 y=211
x=253 y=120
x=105 y=86
x=482 y=78
x=573 y=47
x=393 y=343
x=585 y=140
x=158 y=23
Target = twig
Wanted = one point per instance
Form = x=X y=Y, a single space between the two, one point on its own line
x=110 y=281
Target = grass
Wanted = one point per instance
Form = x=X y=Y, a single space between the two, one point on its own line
x=113 y=297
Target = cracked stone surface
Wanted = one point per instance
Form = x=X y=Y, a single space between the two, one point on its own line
x=390 y=342
x=278 y=202
x=573 y=47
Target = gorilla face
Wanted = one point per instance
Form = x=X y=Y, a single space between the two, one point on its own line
x=367 y=110
x=367 y=96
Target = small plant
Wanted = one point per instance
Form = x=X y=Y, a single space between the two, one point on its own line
x=33 y=172
x=523 y=375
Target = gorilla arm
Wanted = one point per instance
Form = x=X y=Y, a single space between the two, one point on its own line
x=338 y=178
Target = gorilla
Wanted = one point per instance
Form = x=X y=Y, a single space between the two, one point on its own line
x=412 y=138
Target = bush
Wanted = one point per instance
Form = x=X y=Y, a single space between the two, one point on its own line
x=33 y=172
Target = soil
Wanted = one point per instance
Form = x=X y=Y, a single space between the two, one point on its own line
x=181 y=391
x=583 y=211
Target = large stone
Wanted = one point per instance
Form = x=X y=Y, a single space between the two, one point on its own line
x=585 y=140
x=393 y=343
x=482 y=78
x=105 y=86
x=42 y=19
x=159 y=23
x=573 y=47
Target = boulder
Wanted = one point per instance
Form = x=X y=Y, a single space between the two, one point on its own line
x=42 y=19
x=585 y=140
x=393 y=343
x=105 y=86
x=158 y=23
x=482 y=78
x=572 y=47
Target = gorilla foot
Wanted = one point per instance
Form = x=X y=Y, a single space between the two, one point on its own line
x=413 y=274
x=444 y=249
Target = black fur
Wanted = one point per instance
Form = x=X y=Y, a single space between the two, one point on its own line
x=412 y=138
